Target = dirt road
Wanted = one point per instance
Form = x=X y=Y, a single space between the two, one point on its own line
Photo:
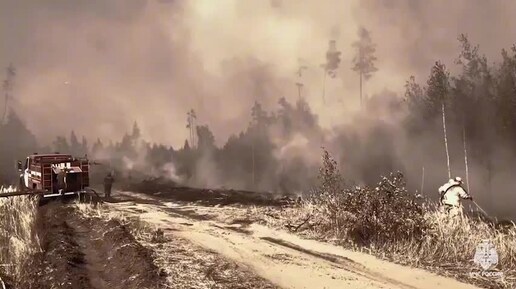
x=282 y=258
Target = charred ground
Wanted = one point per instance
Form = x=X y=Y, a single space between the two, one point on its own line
x=79 y=252
x=83 y=246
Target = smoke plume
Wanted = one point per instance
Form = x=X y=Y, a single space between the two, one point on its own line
x=97 y=66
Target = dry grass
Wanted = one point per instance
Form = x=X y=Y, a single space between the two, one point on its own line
x=450 y=244
x=138 y=228
x=393 y=224
x=184 y=264
x=17 y=233
x=447 y=247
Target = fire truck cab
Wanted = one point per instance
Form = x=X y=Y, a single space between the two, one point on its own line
x=58 y=174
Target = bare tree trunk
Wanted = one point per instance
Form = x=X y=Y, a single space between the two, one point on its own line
x=423 y=180
x=465 y=156
x=8 y=86
x=489 y=181
x=253 y=174
x=189 y=133
x=5 y=108
x=361 y=102
x=446 y=141
x=324 y=87
x=193 y=133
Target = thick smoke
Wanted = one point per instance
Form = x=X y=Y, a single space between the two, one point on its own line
x=97 y=66
x=112 y=62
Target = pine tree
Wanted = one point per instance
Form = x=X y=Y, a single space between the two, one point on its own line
x=97 y=147
x=191 y=118
x=364 y=61
x=7 y=87
x=75 y=147
x=84 y=146
x=437 y=95
x=331 y=65
x=136 y=133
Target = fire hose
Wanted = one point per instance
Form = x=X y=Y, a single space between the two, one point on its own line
x=480 y=208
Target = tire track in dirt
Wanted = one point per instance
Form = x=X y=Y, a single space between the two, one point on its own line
x=88 y=253
x=93 y=262
x=280 y=257
x=342 y=262
x=61 y=263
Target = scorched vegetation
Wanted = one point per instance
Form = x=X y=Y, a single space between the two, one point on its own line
x=392 y=223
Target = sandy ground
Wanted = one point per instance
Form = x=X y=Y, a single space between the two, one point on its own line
x=280 y=257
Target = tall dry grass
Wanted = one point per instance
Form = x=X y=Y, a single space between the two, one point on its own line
x=18 y=238
x=450 y=244
x=394 y=224
x=139 y=229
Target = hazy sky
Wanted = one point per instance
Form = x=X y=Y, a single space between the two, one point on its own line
x=96 y=66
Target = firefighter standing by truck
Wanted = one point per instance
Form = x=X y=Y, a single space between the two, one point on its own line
x=61 y=180
x=108 y=183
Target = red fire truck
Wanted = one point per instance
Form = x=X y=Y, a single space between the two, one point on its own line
x=53 y=175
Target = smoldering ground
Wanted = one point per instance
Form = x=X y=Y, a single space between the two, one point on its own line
x=102 y=65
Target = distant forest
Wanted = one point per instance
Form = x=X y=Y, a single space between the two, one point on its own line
x=479 y=105
x=198 y=162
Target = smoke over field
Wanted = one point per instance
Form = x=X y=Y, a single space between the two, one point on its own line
x=255 y=73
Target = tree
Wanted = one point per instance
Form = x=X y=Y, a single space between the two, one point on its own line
x=437 y=95
x=136 y=133
x=17 y=146
x=61 y=145
x=506 y=94
x=205 y=138
x=364 y=61
x=259 y=117
x=8 y=86
x=84 y=146
x=299 y=73
x=191 y=118
x=469 y=92
x=331 y=65
x=75 y=147
x=330 y=179
x=415 y=101
x=97 y=147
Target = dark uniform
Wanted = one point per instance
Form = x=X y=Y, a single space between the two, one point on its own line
x=61 y=180
x=108 y=183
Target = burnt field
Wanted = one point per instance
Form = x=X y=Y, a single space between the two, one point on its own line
x=80 y=245
x=80 y=252
x=405 y=230
x=155 y=234
x=169 y=190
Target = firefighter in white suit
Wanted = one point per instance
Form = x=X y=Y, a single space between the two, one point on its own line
x=452 y=193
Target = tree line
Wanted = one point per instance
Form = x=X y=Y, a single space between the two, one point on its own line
x=478 y=108
x=247 y=160
x=467 y=118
